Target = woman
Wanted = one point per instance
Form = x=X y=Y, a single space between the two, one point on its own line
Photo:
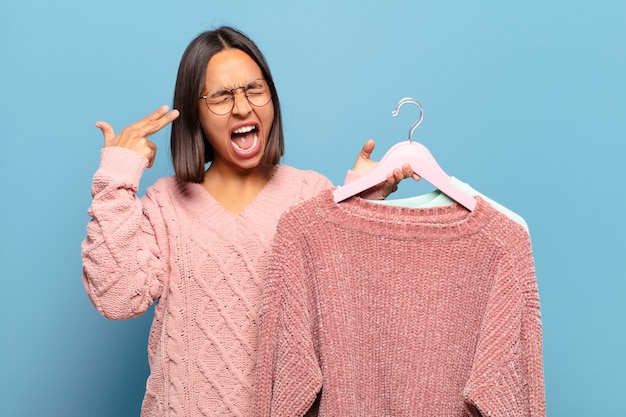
x=197 y=242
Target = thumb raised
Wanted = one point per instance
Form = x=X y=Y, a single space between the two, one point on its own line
x=367 y=149
x=107 y=131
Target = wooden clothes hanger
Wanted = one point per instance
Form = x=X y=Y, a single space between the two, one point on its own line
x=418 y=157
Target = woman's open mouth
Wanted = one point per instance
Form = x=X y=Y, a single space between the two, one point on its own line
x=245 y=139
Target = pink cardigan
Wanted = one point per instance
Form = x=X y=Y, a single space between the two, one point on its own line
x=375 y=310
x=205 y=267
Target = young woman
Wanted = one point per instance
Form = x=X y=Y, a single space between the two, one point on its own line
x=197 y=242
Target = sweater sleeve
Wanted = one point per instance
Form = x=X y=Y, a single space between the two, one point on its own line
x=122 y=270
x=507 y=375
x=288 y=372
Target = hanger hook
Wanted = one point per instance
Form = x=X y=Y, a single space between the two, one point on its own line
x=417 y=123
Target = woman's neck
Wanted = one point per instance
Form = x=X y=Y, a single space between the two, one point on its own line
x=235 y=190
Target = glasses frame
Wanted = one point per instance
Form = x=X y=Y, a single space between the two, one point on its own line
x=232 y=92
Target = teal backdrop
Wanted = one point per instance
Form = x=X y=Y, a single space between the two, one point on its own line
x=523 y=100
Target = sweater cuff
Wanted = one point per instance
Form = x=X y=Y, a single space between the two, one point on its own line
x=371 y=194
x=123 y=165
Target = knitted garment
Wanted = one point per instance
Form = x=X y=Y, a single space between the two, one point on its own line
x=205 y=267
x=376 y=310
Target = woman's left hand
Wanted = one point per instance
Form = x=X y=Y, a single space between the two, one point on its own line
x=364 y=165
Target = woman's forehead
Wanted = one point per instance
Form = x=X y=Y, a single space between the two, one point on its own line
x=231 y=68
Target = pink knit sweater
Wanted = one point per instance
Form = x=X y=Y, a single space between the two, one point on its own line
x=205 y=267
x=373 y=310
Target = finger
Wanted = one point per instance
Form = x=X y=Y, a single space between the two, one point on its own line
x=399 y=175
x=173 y=115
x=407 y=171
x=158 y=119
x=389 y=185
x=163 y=114
x=149 y=125
x=158 y=113
x=152 y=156
x=107 y=131
x=149 y=150
x=367 y=149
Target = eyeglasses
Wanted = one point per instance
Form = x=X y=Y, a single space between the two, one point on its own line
x=221 y=100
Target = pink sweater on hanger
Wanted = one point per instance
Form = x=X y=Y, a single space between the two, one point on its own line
x=205 y=267
x=376 y=310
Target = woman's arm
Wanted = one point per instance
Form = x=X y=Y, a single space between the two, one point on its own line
x=123 y=269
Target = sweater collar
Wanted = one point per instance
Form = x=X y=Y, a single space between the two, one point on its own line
x=449 y=221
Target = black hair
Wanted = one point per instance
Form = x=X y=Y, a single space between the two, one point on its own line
x=191 y=150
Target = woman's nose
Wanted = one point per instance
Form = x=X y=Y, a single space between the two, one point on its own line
x=241 y=104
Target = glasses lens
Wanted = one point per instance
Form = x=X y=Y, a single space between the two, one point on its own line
x=222 y=100
x=219 y=101
x=258 y=93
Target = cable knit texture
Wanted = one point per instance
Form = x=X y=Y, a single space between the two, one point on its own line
x=374 y=310
x=205 y=267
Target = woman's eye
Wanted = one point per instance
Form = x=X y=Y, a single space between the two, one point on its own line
x=221 y=98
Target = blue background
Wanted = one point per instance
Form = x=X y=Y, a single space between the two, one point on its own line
x=523 y=100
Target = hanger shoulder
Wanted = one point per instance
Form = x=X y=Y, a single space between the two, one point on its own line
x=423 y=164
x=386 y=165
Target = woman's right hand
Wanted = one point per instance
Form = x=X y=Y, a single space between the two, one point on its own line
x=135 y=136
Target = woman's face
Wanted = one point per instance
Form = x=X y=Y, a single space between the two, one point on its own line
x=239 y=137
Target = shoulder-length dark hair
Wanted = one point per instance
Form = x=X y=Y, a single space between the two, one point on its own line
x=191 y=150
